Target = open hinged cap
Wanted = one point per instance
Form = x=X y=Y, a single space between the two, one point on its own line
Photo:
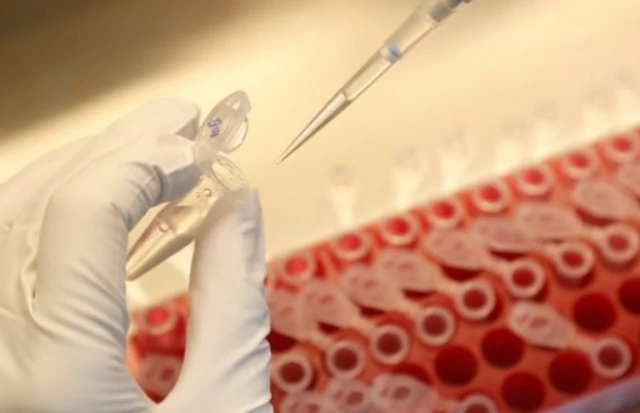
x=222 y=132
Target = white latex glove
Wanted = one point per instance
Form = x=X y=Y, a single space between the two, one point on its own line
x=64 y=223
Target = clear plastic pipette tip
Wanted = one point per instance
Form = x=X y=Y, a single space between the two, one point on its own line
x=332 y=109
x=424 y=19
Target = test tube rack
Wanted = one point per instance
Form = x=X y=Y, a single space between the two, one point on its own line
x=519 y=294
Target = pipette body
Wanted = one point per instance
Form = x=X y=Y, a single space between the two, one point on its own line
x=429 y=15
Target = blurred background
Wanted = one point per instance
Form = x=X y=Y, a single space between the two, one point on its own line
x=501 y=83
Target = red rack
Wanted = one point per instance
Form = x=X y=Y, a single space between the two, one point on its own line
x=591 y=281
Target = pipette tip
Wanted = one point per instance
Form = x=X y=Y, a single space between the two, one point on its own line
x=293 y=146
x=304 y=136
x=334 y=107
x=284 y=155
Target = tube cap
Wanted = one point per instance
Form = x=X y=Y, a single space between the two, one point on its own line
x=223 y=131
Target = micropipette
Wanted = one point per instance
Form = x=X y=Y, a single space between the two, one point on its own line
x=176 y=225
x=429 y=15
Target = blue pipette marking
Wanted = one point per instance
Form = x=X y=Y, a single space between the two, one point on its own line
x=393 y=52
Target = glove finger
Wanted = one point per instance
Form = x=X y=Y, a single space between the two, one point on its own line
x=170 y=115
x=157 y=117
x=83 y=242
x=28 y=182
x=30 y=189
x=227 y=357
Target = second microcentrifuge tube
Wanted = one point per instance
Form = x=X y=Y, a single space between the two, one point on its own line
x=409 y=174
x=540 y=325
x=292 y=372
x=628 y=176
x=627 y=101
x=345 y=359
x=464 y=250
x=352 y=396
x=159 y=373
x=307 y=401
x=412 y=272
x=291 y=318
x=512 y=147
x=329 y=304
x=547 y=138
x=343 y=194
x=456 y=155
x=404 y=393
x=597 y=117
x=601 y=199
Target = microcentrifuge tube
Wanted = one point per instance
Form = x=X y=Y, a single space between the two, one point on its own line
x=162 y=327
x=352 y=246
x=298 y=268
x=403 y=393
x=546 y=135
x=456 y=155
x=597 y=117
x=445 y=213
x=502 y=235
x=381 y=288
x=398 y=392
x=408 y=270
x=535 y=181
x=292 y=372
x=343 y=194
x=601 y=199
x=290 y=317
x=352 y=396
x=468 y=250
x=540 y=325
x=345 y=359
x=330 y=305
x=409 y=175
x=545 y=222
x=435 y=325
x=491 y=197
x=580 y=164
x=475 y=403
x=389 y=343
x=401 y=230
x=371 y=289
x=456 y=248
x=159 y=373
x=512 y=148
x=307 y=401
x=618 y=242
x=628 y=176
x=555 y=233
x=177 y=224
x=627 y=101
x=473 y=300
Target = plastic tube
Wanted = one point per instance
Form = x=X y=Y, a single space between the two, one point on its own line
x=542 y=326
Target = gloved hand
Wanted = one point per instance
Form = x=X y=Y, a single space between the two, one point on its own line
x=64 y=223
